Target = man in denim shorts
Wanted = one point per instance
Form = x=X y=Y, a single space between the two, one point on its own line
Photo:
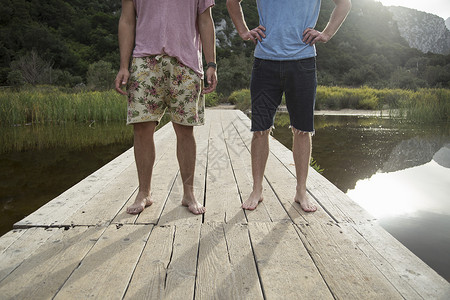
x=285 y=63
x=165 y=40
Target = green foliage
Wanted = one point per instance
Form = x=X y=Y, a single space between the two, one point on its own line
x=100 y=76
x=212 y=99
x=316 y=166
x=234 y=73
x=426 y=105
x=72 y=35
x=241 y=99
x=69 y=135
x=47 y=104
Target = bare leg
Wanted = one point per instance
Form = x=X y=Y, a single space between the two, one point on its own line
x=302 y=156
x=186 y=154
x=260 y=153
x=144 y=153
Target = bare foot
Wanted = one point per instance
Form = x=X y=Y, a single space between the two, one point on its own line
x=305 y=202
x=252 y=201
x=141 y=202
x=194 y=206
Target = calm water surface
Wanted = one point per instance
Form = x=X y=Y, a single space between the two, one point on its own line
x=399 y=172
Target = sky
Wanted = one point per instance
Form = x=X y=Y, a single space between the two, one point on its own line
x=437 y=7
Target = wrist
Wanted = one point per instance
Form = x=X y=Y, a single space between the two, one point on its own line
x=211 y=65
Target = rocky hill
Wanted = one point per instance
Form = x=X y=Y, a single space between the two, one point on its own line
x=423 y=31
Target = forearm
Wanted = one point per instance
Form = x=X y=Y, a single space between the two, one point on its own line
x=340 y=12
x=127 y=31
x=237 y=16
x=126 y=44
x=207 y=35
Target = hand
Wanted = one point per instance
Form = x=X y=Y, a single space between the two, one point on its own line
x=312 y=36
x=211 y=78
x=121 y=80
x=254 y=35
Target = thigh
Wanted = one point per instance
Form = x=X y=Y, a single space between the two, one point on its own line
x=300 y=92
x=146 y=90
x=266 y=93
x=185 y=99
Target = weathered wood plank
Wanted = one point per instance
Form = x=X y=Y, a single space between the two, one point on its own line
x=385 y=267
x=345 y=268
x=215 y=278
x=222 y=197
x=25 y=244
x=401 y=262
x=226 y=266
x=247 y=283
x=106 y=270
x=104 y=206
x=149 y=278
x=57 y=210
x=42 y=274
x=285 y=268
x=180 y=281
x=9 y=238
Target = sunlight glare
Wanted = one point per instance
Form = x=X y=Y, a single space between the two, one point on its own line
x=437 y=7
x=403 y=192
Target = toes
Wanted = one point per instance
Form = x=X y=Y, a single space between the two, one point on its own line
x=197 y=209
x=309 y=208
x=134 y=210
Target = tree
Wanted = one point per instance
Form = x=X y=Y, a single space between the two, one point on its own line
x=100 y=75
x=32 y=68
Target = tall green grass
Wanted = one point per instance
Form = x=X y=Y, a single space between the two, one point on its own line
x=51 y=105
x=423 y=105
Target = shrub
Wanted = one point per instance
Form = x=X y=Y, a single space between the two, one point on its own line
x=212 y=99
x=241 y=99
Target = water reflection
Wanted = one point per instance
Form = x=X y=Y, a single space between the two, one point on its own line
x=398 y=171
x=414 y=206
x=421 y=188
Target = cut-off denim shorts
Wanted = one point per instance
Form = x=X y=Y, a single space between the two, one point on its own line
x=296 y=79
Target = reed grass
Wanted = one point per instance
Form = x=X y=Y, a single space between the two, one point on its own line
x=422 y=105
x=54 y=106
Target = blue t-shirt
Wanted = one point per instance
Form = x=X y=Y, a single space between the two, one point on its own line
x=285 y=21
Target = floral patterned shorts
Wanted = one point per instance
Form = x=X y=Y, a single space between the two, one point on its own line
x=161 y=82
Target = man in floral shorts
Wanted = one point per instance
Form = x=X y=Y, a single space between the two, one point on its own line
x=165 y=40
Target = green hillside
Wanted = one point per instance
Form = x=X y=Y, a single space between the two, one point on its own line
x=65 y=38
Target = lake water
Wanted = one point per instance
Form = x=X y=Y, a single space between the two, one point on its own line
x=399 y=172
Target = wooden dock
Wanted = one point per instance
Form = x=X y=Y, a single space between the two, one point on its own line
x=83 y=244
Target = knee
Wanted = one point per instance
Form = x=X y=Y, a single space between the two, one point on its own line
x=260 y=135
x=145 y=128
x=183 y=131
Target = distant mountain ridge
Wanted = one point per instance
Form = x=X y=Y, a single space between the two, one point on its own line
x=423 y=31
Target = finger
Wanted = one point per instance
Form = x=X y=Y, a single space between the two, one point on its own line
x=119 y=83
x=307 y=30
x=315 y=40
x=257 y=37
x=261 y=31
x=211 y=86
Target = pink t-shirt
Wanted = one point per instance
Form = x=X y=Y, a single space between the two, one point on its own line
x=170 y=27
